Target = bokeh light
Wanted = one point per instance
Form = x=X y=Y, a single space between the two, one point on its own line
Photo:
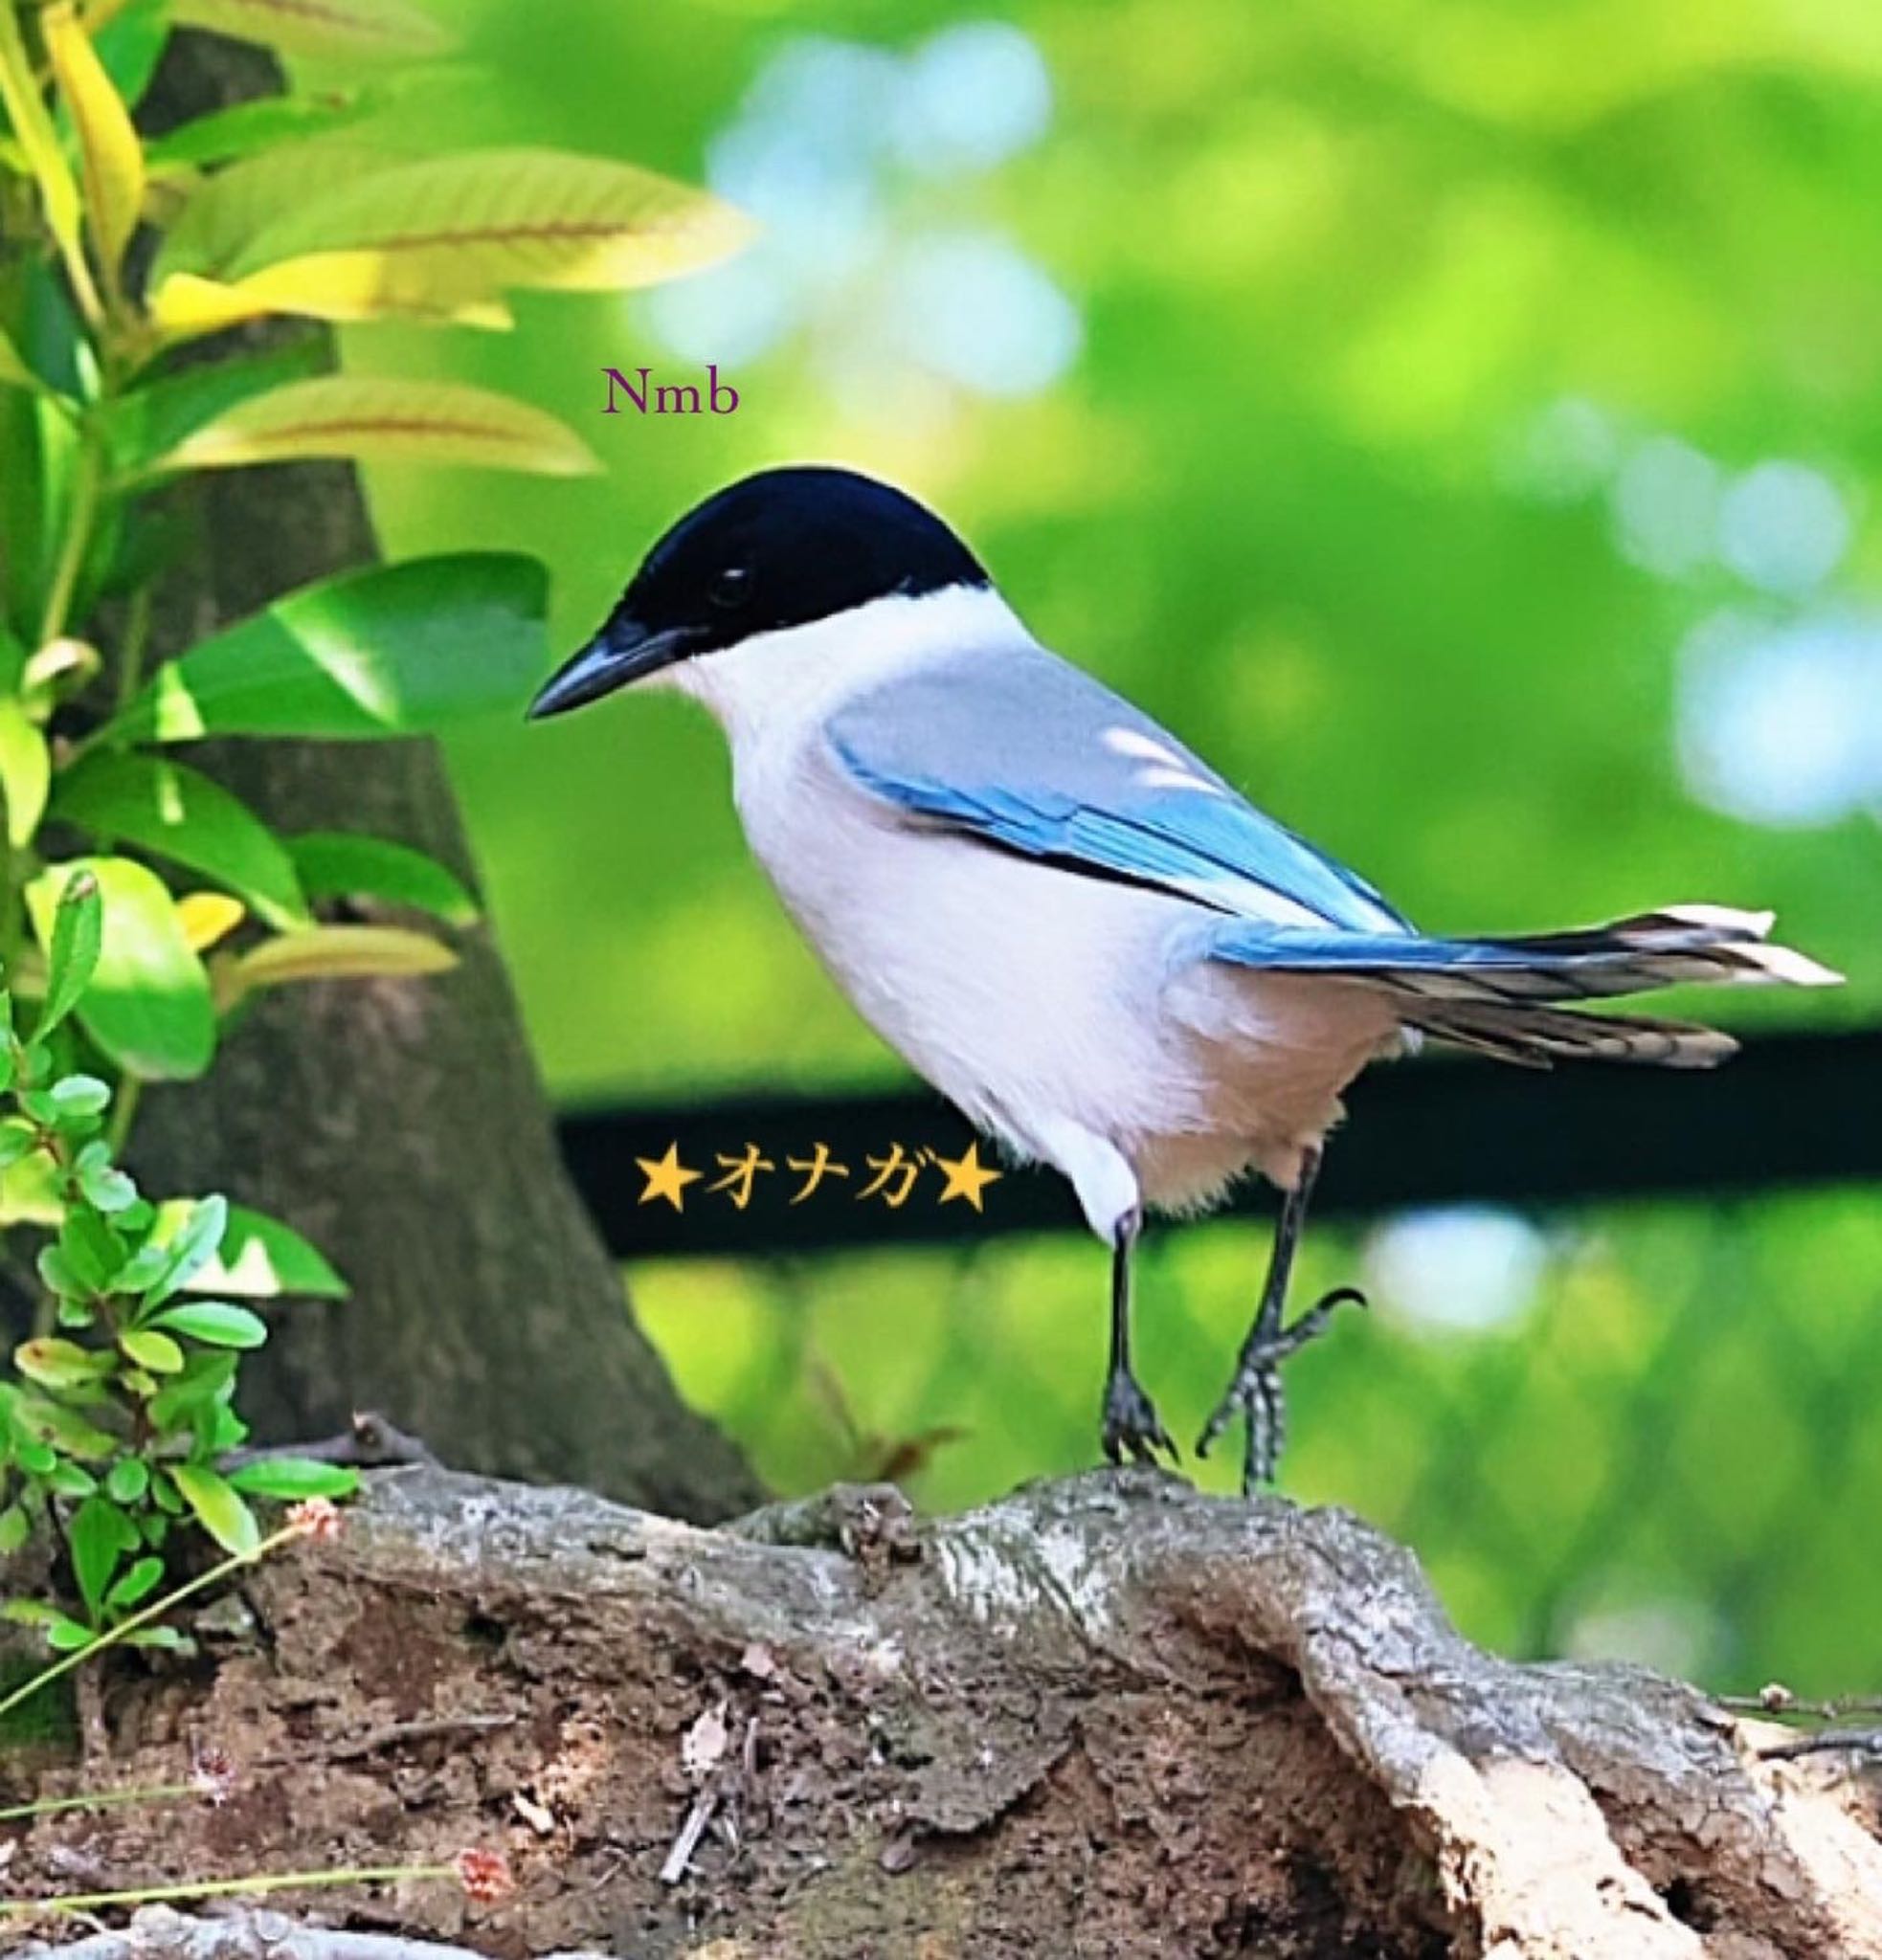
x=833 y=148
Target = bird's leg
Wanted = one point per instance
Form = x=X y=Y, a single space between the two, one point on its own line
x=1130 y=1422
x=1255 y=1389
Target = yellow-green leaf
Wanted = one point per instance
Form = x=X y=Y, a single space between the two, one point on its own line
x=151 y=1349
x=25 y=771
x=219 y=1508
x=110 y=156
x=419 y=421
x=223 y=212
x=340 y=286
x=148 y=1004
x=32 y=1193
x=341 y=952
x=349 y=28
x=491 y=219
x=208 y=917
x=55 y=1364
x=32 y=128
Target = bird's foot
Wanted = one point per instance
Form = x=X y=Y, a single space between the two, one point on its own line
x=1131 y=1426
x=1256 y=1392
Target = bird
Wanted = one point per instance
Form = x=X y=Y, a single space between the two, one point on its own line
x=1078 y=931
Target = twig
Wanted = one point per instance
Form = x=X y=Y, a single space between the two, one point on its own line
x=680 y=1857
x=371 y=1443
x=1859 y=1741
x=1779 y=1700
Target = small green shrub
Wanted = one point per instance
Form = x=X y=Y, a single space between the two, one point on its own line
x=141 y=903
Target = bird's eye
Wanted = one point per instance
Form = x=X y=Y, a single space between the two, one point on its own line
x=730 y=587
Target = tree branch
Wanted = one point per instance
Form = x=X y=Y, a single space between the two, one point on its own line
x=1104 y=1715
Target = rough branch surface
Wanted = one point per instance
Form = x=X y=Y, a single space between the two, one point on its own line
x=1105 y=1716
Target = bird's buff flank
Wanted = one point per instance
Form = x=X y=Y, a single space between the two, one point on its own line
x=1066 y=921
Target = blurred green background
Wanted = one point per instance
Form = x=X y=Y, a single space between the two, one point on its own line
x=1462 y=421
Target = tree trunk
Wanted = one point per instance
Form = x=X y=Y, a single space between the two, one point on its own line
x=400 y=1123
x=1105 y=1717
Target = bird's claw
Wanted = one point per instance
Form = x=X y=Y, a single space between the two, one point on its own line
x=1256 y=1391
x=1131 y=1426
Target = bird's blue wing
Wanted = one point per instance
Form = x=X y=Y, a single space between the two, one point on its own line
x=1022 y=751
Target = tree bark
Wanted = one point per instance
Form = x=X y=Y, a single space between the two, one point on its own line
x=400 y=1123
x=1107 y=1716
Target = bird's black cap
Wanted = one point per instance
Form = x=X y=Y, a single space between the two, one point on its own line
x=781 y=549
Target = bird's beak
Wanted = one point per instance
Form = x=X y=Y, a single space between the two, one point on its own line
x=623 y=651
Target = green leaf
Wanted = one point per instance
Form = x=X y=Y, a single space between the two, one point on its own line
x=170 y=1639
x=90 y=1248
x=394 y=650
x=74 y=934
x=68 y=1480
x=225 y=135
x=352 y=29
x=135 y=1584
x=27 y=1612
x=79 y=1096
x=381 y=418
x=177 y=812
x=221 y=1432
x=216 y=1323
x=340 y=864
x=219 y=1508
x=291 y=1479
x=17 y=1140
x=25 y=770
x=156 y=1351
x=148 y=1004
x=98 y=1536
x=46 y=1422
x=189 y=1246
x=15 y=1527
x=155 y=417
x=130 y=1478
x=259 y=1258
x=59 y=1274
x=108 y=1189
x=130 y=44
x=63 y=1632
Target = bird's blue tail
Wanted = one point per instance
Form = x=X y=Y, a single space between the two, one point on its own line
x=1509 y=996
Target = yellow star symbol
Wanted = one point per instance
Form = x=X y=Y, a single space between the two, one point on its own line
x=666 y=1178
x=967 y=1178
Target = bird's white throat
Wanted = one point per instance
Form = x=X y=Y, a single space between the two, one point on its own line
x=774 y=683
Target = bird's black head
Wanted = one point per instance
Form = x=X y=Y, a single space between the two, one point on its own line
x=783 y=548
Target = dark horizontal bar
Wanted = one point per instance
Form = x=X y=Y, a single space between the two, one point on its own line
x=1790 y=1111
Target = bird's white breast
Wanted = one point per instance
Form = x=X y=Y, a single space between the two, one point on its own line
x=1047 y=1004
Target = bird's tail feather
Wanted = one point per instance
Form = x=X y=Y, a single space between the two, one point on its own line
x=1505 y=997
x=1538 y=1037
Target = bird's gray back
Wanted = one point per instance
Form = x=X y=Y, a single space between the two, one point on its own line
x=1027 y=752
